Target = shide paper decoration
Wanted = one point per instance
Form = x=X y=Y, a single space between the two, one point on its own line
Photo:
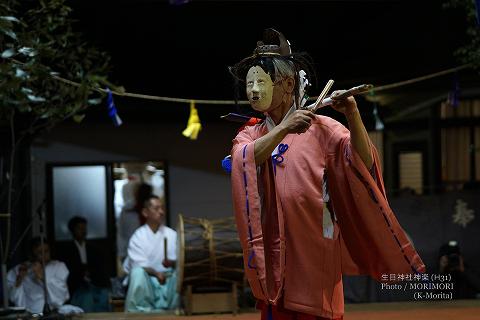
x=112 y=110
x=193 y=126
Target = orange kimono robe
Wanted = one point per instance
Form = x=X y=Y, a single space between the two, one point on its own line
x=279 y=209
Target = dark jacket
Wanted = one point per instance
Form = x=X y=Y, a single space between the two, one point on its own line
x=94 y=269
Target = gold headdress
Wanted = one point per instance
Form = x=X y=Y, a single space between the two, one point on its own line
x=274 y=44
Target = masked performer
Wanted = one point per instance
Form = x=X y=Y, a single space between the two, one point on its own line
x=308 y=194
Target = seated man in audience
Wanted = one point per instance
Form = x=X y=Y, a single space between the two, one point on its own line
x=150 y=262
x=88 y=280
x=466 y=282
x=25 y=281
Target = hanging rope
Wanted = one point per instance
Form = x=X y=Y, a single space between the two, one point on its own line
x=233 y=102
x=422 y=78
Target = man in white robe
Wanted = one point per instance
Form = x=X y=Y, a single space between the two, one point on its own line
x=152 y=280
x=25 y=281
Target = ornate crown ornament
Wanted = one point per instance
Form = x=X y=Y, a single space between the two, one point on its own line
x=267 y=46
x=274 y=43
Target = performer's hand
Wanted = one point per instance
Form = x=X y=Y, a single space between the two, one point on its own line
x=298 y=122
x=22 y=273
x=168 y=263
x=346 y=106
x=161 y=277
x=37 y=270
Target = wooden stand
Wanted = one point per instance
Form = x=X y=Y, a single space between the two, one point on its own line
x=216 y=302
x=117 y=304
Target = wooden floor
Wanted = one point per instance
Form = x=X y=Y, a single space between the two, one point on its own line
x=435 y=310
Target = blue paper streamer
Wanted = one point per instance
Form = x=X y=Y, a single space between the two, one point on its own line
x=227 y=164
x=112 y=110
x=454 y=95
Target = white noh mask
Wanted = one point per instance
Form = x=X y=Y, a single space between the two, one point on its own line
x=259 y=89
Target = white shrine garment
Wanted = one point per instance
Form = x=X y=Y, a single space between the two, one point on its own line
x=146 y=248
x=30 y=294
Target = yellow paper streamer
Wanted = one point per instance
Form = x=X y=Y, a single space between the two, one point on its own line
x=193 y=126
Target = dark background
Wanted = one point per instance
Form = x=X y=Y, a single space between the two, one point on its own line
x=183 y=50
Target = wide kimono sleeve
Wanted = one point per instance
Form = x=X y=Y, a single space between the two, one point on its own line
x=371 y=238
x=57 y=283
x=16 y=294
x=137 y=256
x=247 y=207
x=171 y=236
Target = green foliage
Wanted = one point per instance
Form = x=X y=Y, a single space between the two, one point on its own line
x=36 y=46
x=470 y=52
x=39 y=54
